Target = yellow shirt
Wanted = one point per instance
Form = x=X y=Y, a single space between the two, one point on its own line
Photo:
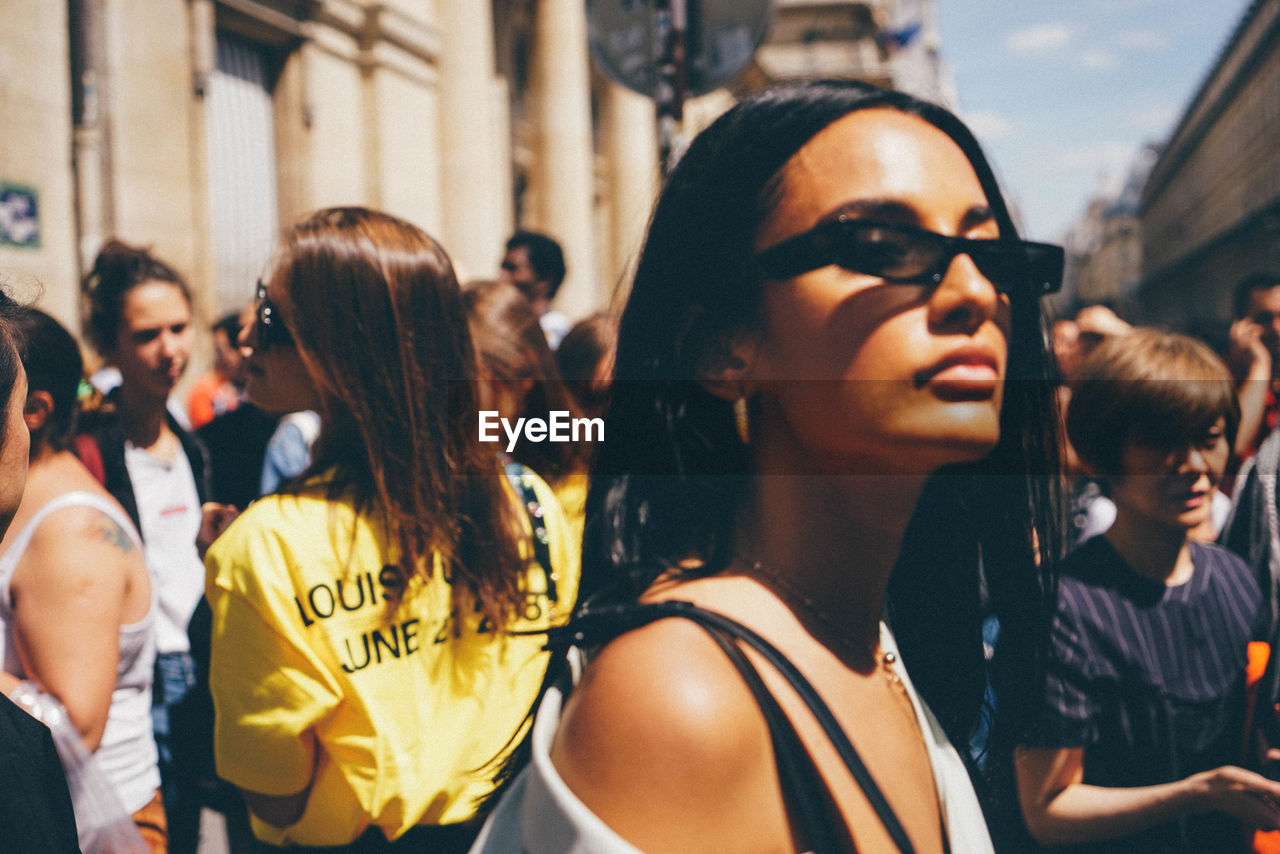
x=391 y=718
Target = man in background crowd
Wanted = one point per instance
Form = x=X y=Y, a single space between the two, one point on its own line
x=1254 y=358
x=534 y=263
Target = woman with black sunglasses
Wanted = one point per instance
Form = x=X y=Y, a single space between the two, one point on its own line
x=828 y=437
x=367 y=664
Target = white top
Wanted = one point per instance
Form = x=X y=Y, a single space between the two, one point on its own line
x=554 y=327
x=169 y=516
x=541 y=815
x=127 y=753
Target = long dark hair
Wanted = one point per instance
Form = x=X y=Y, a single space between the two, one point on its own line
x=375 y=311
x=54 y=365
x=667 y=483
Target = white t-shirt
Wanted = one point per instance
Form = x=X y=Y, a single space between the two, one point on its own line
x=169 y=515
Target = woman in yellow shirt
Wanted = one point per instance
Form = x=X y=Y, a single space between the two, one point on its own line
x=363 y=671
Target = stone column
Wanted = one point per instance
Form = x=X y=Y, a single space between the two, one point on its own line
x=400 y=80
x=631 y=155
x=475 y=173
x=561 y=178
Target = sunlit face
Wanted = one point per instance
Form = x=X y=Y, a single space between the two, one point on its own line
x=1172 y=487
x=13 y=456
x=278 y=379
x=154 y=341
x=859 y=374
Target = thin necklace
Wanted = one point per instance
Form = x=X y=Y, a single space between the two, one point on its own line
x=883 y=660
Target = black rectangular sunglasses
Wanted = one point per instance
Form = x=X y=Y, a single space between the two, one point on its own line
x=271 y=329
x=905 y=254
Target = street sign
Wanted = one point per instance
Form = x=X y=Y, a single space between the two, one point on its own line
x=19 y=216
x=720 y=37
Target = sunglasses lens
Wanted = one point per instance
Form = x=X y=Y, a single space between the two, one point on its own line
x=878 y=250
x=1029 y=269
x=1004 y=266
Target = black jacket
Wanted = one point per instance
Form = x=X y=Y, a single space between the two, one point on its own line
x=35 y=806
x=108 y=434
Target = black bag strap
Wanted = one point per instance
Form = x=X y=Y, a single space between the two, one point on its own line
x=800 y=779
x=809 y=803
x=519 y=477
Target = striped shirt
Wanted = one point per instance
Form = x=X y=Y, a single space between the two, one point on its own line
x=1149 y=679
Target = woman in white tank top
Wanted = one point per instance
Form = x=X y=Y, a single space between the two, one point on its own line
x=76 y=602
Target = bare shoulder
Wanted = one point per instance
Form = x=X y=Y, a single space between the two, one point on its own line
x=81 y=526
x=670 y=685
x=667 y=684
x=660 y=724
x=78 y=543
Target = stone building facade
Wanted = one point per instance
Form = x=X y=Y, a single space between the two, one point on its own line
x=1210 y=211
x=1104 y=248
x=199 y=127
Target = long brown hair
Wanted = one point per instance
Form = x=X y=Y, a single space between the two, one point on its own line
x=375 y=311
x=512 y=348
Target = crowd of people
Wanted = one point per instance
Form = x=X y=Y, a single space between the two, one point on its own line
x=873 y=556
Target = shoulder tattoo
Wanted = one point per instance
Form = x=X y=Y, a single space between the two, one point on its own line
x=116 y=535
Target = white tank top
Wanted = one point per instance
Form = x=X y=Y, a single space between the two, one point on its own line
x=127 y=754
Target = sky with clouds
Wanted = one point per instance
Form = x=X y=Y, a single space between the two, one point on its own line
x=1063 y=95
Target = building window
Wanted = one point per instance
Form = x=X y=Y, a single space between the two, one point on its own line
x=242 y=168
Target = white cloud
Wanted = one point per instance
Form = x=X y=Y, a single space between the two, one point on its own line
x=1099 y=59
x=1031 y=40
x=1142 y=40
x=989 y=126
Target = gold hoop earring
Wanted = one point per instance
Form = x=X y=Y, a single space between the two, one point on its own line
x=741 y=419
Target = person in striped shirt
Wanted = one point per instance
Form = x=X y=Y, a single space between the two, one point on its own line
x=1140 y=743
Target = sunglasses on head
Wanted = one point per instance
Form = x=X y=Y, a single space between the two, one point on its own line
x=271 y=329
x=906 y=255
